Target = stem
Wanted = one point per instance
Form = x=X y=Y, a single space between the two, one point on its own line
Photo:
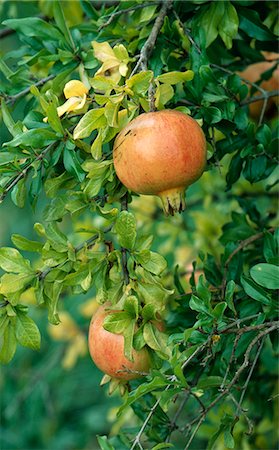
x=125 y=11
x=124 y=258
x=13 y=98
x=25 y=170
x=79 y=247
x=151 y=41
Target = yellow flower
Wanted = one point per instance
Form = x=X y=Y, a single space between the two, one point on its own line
x=115 y=60
x=75 y=92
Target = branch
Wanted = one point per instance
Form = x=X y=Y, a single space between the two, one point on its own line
x=236 y=376
x=79 y=247
x=125 y=11
x=151 y=41
x=265 y=95
x=25 y=170
x=259 y=97
x=124 y=259
x=13 y=98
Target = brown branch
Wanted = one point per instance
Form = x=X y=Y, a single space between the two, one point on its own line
x=256 y=98
x=151 y=41
x=236 y=376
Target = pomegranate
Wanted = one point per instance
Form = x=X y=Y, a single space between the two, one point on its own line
x=253 y=73
x=107 y=350
x=161 y=153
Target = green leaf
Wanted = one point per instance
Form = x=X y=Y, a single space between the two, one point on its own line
x=212 y=114
x=230 y=288
x=199 y=305
x=117 y=322
x=228 y=438
x=53 y=185
x=131 y=306
x=8 y=344
x=26 y=244
x=18 y=194
x=157 y=383
x=219 y=310
x=266 y=275
x=163 y=95
x=104 y=444
x=270 y=248
x=96 y=147
x=61 y=22
x=27 y=332
x=12 y=261
x=37 y=138
x=14 y=128
x=4 y=322
x=147 y=13
x=162 y=446
x=176 y=77
x=128 y=339
x=254 y=291
x=210 y=382
x=156 y=340
x=229 y=25
x=125 y=228
x=11 y=282
x=52 y=292
x=153 y=292
x=92 y=120
x=251 y=23
x=155 y=263
x=72 y=164
x=34 y=27
x=140 y=82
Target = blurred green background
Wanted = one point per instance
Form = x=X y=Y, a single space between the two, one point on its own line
x=51 y=399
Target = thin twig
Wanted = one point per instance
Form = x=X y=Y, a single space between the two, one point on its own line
x=124 y=258
x=237 y=374
x=25 y=170
x=232 y=357
x=256 y=98
x=115 y=14
x=244 y=388
x=77 y=249
x=13 y=98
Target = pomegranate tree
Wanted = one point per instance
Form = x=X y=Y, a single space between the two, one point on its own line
x=107 y=350
x=161 y=153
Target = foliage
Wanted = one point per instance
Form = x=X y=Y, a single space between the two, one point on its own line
x=80 y=74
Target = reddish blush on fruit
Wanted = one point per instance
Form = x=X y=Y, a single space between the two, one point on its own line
x=107 y=350
x=161 y=153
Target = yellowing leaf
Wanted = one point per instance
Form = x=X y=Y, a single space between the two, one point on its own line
x=103 y=51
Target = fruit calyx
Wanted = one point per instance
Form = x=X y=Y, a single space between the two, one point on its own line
x=173 y=200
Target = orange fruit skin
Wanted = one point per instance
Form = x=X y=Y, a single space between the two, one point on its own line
x=107 y=350
x=160 y=151
x=253 y=73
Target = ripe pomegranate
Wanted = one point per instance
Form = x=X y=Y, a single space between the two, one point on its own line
x=161 y=153
x=107 y=350
x=253 y=73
